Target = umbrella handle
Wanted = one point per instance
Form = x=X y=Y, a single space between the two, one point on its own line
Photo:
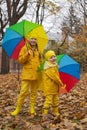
x=62 y=88
x=26 y=41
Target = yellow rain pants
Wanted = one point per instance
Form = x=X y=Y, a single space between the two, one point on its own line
x=51 y=100
x=26 y=84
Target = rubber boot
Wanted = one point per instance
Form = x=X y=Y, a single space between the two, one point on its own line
x=16 y=111
x=45 y=114
x=45 y=111
x=55 y=111
x=32 y=110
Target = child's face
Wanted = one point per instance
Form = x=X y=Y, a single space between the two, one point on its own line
x=53 y=59
x=33 y=41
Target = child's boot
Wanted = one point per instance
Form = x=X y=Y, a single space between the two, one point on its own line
x=32 y=111
x=16 y=111
x=55 y=111
x=56 y=114
x=44 y=114
x=18 y=108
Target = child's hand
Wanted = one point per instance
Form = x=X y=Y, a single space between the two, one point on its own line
x=28 y=53
x=64 y=86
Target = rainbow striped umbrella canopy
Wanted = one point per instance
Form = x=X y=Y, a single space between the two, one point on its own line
x=15 y=36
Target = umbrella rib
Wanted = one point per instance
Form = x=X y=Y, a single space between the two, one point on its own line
x=60 y=59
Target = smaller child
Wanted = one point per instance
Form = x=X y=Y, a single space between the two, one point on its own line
x=51 y=81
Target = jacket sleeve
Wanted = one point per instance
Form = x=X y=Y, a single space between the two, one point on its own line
x=23 y=57
x=54 y=76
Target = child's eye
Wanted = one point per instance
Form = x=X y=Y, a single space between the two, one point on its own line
x=52 y=56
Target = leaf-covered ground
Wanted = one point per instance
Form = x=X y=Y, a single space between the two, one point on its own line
x=73 y=108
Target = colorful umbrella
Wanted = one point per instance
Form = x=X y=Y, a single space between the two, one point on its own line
x=16 y=35
x=69 y=71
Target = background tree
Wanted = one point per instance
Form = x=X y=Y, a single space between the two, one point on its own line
x=76 y=22
x=4 y=22
x=82 y=9
x=15 y=10
x=40 y=11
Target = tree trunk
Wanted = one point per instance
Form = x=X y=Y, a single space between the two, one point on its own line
x=4 y=63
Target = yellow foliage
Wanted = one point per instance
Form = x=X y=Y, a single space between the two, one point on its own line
x=81 y=39
x=53 y=7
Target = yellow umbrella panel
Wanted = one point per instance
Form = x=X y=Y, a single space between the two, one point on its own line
x=41 y=36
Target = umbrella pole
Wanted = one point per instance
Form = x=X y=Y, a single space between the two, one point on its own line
x=25 y=41
x=18 y=72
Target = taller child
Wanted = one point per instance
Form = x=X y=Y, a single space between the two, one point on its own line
x=30 y=59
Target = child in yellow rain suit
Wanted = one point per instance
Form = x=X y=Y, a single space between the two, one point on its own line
x=30 y=59
x=51 y=81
